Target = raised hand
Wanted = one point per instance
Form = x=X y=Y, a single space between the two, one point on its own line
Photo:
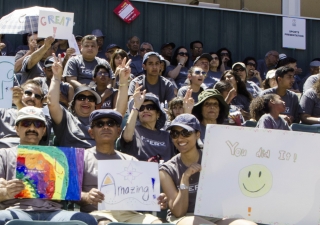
x=188 y=102
x=48 y=41
x=57 y=68
x=124 y=71
x=138 y=97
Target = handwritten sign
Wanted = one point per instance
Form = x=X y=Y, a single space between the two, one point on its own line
x=267 y=176
x=6 y=81
x=129 y=185
x=50 y=172
x=293 y=33
x=126 y=11
x=56 y=24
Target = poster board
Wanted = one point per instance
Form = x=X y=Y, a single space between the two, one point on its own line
x=129 y=185
x=293 y=33
x=266 y=176
x=6 y=81
x=50 y=172
x=56 y=24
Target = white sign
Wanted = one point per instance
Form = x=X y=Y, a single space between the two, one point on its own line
x=73 y=44
x=129 y=185
x=56 y=24
x=6 y=81
x=293 y=33
x=266 y=176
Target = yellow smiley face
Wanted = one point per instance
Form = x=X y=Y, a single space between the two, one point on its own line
x=255 y=180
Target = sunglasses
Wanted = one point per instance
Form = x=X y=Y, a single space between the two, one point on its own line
x=30 y=93
x=237 y=70
x=36 y=123
x=100 y=123
x=148 y=107
x=199 y=72
x=224 y=54
x=145 y=50
x=251 y=64
x=90 y=98
x=183 y=53
x=174 y=134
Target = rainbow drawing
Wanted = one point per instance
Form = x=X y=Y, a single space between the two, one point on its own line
x=50 y=172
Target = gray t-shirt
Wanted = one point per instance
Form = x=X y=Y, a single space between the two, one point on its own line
x=82 y=69
x=8 y=159
x=108 y=103
x=310 y=82
x=8 y=134
x=211 y=79
x=241 y=102
x=183 y=90
x=310 y=103
x=35 y=71
x=253 y=89
x=90 y=172
x=73 y=131
x=291 y=100
x=175 y=168
x=182 y=76
x=268 y=122
x=147 y=143
x=163 y=88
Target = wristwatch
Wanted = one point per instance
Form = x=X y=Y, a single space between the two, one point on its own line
x=184 y=187
x=180 y=64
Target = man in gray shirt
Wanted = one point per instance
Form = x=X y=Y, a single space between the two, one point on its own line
x=78 y=69
x=285 y=80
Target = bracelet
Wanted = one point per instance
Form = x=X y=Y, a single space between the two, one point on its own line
x=56 y=79
x=135 y=108
x=180 y=64
x=122 y=85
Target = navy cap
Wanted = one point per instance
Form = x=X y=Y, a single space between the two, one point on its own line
x=78 y=36
x=97 y=33
x=168 y=44
x=49 y=61
x=204 y=55
x=148 y=54
x=186 y=121
x=111 y=46
x=106 y=113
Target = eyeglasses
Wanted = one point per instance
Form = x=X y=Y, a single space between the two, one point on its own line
x=103 y=73
x=36 y=123
x=90 y=98
x=183 y=53
x=101 y=123
x=198 y=49
x=251 y=64
x=174 y=134
x=148 y=107
x=215 y=58
x=240 y=69
x=199 y=72
x=145 y=50
x=211 y=104
x=224 y=54
x=30 y=93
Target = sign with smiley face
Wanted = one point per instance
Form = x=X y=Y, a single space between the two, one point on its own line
x=266 y=176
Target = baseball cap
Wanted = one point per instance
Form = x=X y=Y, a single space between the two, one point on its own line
x=239 y=64
x=271 y=74
x=164 y=60
x=105 y=113
x=166 y=44
x=111 y=46
x=204 y=55
x=186 y=121
x=49 y=62
x=86 y=88
x=315 y=63
x=148 y=54
x=97 y=33
x=30 y=112
x=78 y=36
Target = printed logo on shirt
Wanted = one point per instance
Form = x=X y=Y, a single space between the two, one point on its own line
x=106 y=104
x=153 y=142
x=86 y=71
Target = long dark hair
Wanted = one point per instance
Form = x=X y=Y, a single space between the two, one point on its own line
x=241 y=86
x=120 y=52
x=174 y=61
x=229 y=63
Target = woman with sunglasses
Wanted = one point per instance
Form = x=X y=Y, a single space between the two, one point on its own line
x=196 y=76
x=146 y=140
x=253 y=74
x=179 y=177
x=71 y=127
x=178 y=70
x=215 y=65
x=103 y=81
x=225 y=57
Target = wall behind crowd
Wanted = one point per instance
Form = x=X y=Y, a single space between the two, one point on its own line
x=245 y=34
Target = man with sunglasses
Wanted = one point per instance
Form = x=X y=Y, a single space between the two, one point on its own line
x=71 y=127
x=29 y=94
x=136 y=65
x=203 y=61
x=30 y=127
x=166 y=50
x=105 y=128
x=32 y=65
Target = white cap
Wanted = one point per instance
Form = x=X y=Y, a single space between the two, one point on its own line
x=271 y=74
